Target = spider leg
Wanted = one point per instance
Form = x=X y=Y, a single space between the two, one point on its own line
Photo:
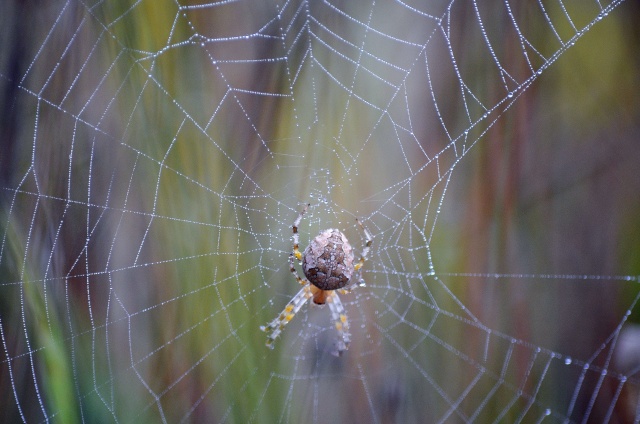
x=296 y=237
x=275 y=327
x=292 y=268
x=365 y=251
x=339 y=316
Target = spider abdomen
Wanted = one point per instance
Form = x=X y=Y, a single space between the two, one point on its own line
x=328 y=260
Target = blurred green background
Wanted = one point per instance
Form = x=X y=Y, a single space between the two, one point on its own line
x=155 y=155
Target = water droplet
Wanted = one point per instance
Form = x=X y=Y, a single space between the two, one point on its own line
x=567 y=361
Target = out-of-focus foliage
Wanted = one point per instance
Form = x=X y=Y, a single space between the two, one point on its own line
x=146 y=220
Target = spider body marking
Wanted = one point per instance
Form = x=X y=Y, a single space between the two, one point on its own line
x=328 y=266
x=328 y=261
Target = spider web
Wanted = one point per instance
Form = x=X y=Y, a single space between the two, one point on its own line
x=156 y=154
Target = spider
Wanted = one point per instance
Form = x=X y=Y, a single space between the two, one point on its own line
x=328 y=265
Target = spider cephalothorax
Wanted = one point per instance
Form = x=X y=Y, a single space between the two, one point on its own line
x=328 y=265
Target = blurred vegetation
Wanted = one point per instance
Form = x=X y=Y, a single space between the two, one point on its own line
x=146 y=235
